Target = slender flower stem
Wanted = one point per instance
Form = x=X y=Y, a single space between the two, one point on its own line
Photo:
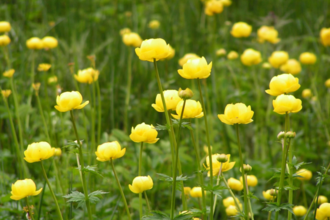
x=147 y=201
x=5 y=52
x=99 y=114
x=303 y=192
x=43 y=117
x=128 y=88
x=31 y=89
x=140 y=172
x=30 y=214
x=51 y=191
x=93 y=120
x=231 y=193
x=81 y=167
x=121 y=190
x=218 y=182
x=290 y=169
x=249 y=201
x=208 y=145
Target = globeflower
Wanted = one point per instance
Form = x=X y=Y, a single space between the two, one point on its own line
x=228 y=202
x=237 y=113
x=153 y=49
x=49 y=42
x=251 y=57
x=144 y=133
x=307 y=58
x=226 y=3
x=325 y=36
x=154 y=24
x=322 y=199
x=4 y=40
x=24 y=188
x=291 y=66
x=141 y=184
x=187 y=190
x=171 y=100
x=4 y=26
x=286 y=104
x=68 y=101
x=171 y=54
x=193 y=109
x=34 y=43
x=124 y=31
x=38 y=151
x=226 y=166
x=252 y=180
x=213 y=7
x=6 y=93
x=266 y=33
x=278 y=58
x=241 y=29
x=267 y=195
x=305 y=174
x=323 y=212
x=9 y=73
x=299 y=210
x=307 y=93
x=196 y=69
x=196 y=192
x=232 y=55
x=44 y=67
x=88 y=75
x=187 y=57
x=283 y=84
x=235 y=184
x=231 y=210
x=132 y=39
x=109 y=151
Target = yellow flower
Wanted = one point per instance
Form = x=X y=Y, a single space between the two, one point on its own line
x=9 y=73
x=327 y=83
x=307 y=93
x=34 y=43
x=231 y=210
x=24 y=188
x=172 y=53
x=251 y=57
x=132 y=39
x=141 y=184
x=278 y=58
x=36 y=86
x=299 y=210
x=213 y=7
x=186 y=190
x=305 y=174
x=251 y=180
x=325 y=36
x=307 y=58
x=283 y=84
x=221 y=52
x=266 y=65
x=196 y=69
x=144 y=133
x=38 y=151
x=235 y=184
x=216 y=164
x=154 y=24
x=286 y=104
x=193 y=109
x=266 y=33
x=241 y=29
x=291 y=66
x=322 y=199
x=58 y=152
x=228 y=202
x=232 y=55
x=237 y=114
x=52 y=79
x=196 y=192
x=88 y=75
x=109 y=151
x=187 y=57
x=6 y=93
x=323 y=212
x=44 y=67
x=226 y=3
x=171 y=100
x=4 y=40
x=68 y=101
x=125 y=31
x=49 y=42
x=267 y=195
x=4 y=26
x=153 y=49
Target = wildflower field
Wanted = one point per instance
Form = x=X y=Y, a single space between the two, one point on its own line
x=164 y=110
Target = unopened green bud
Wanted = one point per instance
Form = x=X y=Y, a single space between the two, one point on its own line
x=185 y=94
x=222 y=158
x=290 y=134
x=281 y=135
x=247 y=168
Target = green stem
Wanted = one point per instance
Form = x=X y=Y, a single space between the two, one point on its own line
x=43 y=117
x=93 y=120
x=147 y=201
x=249 y=200
x=128 y=89
x=31 y=88
x=208 y=145
x=303 y=192
x=121 y=190
x=269 y=215
x=232 y=194
x=5 y=52
x=30 y=213
x=51 y=191
x=140 y=171
x=99 y=114
x=218 y=182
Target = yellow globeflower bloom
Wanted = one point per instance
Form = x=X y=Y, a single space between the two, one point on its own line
x=171 y=100
x=132 y=39
x=186 y=190
x=36 y=86
x=322 y=199
x=232 y=55
x=291 y=66
x=141 y=184
x=237 y=113
x=196 y=192
x=49 y=42
x=172 y=53
x=228 y=202
x=252 y=180
x=24 y=188
x=213 y=7
x=221 y=52
x=34 y=43
x=6 y=93
x=226 y=3
x=231 y=210
x=307 y=58
x=57 y=152
x=305 y=174
x=44 y=67
x=251 y=57
x=278 y=58
x=193 y=109
x=4 y=26
x=4 y=40
x=325 y=36
x=9 y=73
x=109 y=151
x=154 y=24
x=38 y=151
x=144 y=133
x=307 y=93
x=187 y=57
x=196 y=69
x=125 y=31
x=266 y=33
x=241 y=29
x=88 y=75
x=323 y=212
x=286 y=104
x=153 y=49
x=52 y=79
x=267 y=195
x=266 y=65
x=299 y=210
x=283 y=84
x=327 y=83
x=235 y=184
x=216 y=164
x=68 y=101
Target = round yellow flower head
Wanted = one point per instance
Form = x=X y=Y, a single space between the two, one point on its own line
x=251 y=57
x=24 y=188
x=153 y=49
x=68 y=101
x=307 y=58
x=266 y=65
x=196 y=192
x=171 y=100
x=278 y=58
x=291 y=66
x=9 y=73
x=125 y=31
x=232 y=55
x=323 y=212
x=307 y=93
x=44 y=67
x=109 y=151
x=266 y=33
x=58 y=152
x=88 y=75
x=4 y=26
x=267 y=195
x=327 y=83
x=49 y=42
x=299 y=210
x=283 y=84
x=325 y=36
x=322 y=199
x=144 y=133
x=187 y=57
x=38 y=151
x=132 y=39
x=231 y=210
x=6 y=93
x=228 y=202
x=235 y=184
x=221 y=52
x=216 y=165
x=286 y=104
x=186 y=190
x=213 y=7
x=241 y=29
x=36 y=86
x=226 y=3
x=192 y=109
x=305 y=174
x=141 y=184
x=52 y=79
x=252 y=180
x=237 y=113
x=172 y=53
x=196 y=68
x=34 y=43
x=154 y=24
x=4 y=40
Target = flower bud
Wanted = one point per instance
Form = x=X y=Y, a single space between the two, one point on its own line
x=247 y=168
x=290 y=134
x=185 y=94
x=299 y=210
x=6 y=93
x=221 y=52
x=322 y=199
x=273 y=192
x=222 y=158
x=9 y=73
x=58 y=152
x=281 y=135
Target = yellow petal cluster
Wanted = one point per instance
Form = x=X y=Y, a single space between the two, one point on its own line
x=235 y=184
x=154 y=24
x=305 y=174
x=307 y=58
x=291 y=66
x=286 y=104
x=299 y=210
x=141 y=184
x=252 y=180
x=44 y=67
x=226 y=3
x=9 y=73
x=322 y=199
x=4 y=26
x=325 y=36
x=278 y=58
x=109 y=151
x=34 y=43
x=132 y=39
x=193 y=109
x=228 y=202
x=49 y=42
x=307 y=93
x=38 y=151
x=144 y=133
x=266 y=33
x=267 y=195
x=196 y=192
x=6 y=93
x=153 y=49
x=241 y=29
x=187 y=190
x=283 y=84
x=237 y=113
x=251 y=57
x=232 y=55
x=58 y=152
x=68 y=101
x=24 y=188
x=52 y=79
x=216 y=165
x=4 y=40
x=187 y=57
x=323 y=212
x=213 y=7
x=171 y=100
x=231 y=210
x=124 y=31
x=196 y=68
x=171 y=54
x=88 y=75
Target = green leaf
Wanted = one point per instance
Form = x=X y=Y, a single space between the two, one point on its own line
x=92 y=169
x=72 y=146
x=161 y=127
x=164 y=177
x=274 y=207
x=93 y=196
x=250 y=195
x=297 y=166
x=215 y=189
x=291 y=187
x=156 y=215
x=75 y=196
